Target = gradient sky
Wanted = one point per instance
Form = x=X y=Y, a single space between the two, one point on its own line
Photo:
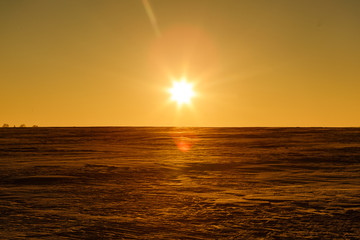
x=252 y=62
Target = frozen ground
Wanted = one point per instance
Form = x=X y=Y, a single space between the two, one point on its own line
x=180 y=183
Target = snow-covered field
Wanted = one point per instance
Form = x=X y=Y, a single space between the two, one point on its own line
x=179 y=183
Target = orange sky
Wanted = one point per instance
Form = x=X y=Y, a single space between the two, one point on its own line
x=253 y=63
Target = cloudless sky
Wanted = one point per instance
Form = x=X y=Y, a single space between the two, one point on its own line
x=252 y=62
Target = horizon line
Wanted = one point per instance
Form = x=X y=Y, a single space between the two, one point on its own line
x=170 y=126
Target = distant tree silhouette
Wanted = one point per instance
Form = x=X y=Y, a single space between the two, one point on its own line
x=22 y=125
x=35 y=126
x=5 y=125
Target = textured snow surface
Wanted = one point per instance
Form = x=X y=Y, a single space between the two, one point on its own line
x=180 y=183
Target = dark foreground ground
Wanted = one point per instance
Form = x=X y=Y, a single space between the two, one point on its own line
x=180 y=183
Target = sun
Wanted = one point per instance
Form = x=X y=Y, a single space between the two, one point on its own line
x=182 y=92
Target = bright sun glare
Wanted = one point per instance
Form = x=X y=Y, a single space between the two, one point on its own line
x=181 y=92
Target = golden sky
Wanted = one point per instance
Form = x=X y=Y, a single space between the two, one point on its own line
x=112 y=63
